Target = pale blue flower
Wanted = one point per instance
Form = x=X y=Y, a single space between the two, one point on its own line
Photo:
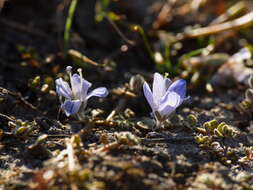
x=165 y=96
x=77 y=95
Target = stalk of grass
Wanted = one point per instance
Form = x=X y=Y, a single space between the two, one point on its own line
x=68 y=24
x=190 y=54
x=140 y=30
x=168 y=63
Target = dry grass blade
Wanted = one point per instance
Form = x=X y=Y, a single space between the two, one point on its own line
x=2 y=4
x=231 y=12
x=71 y=159
x=162 y=16
x=236 y=24
x=130 y=42
x=82 y=57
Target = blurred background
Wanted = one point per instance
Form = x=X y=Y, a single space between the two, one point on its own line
x=117 y=39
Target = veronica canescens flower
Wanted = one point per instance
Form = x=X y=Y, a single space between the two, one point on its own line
x=77 y=95
x=165 y=96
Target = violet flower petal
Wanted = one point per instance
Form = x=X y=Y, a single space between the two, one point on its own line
x=169 y=104
x=62 y=88
x=99 y=92
x=85 y=87
x=79 y=86
x=71 y=107
x=76 y=85
x=179 y=86
x=168 y=82
x=159 y=87
x=149 y=96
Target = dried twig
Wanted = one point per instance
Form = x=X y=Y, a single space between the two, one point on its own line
x=107 y=147
x=23 y=28
x=19 y=97
x=111 y=115
x=71 y=159
x=6 y=117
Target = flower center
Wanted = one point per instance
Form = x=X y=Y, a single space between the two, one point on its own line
x=69 y=72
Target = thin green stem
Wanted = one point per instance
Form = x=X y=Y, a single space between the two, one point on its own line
x=130 y=42
x=68 y=24
x=145 y=40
